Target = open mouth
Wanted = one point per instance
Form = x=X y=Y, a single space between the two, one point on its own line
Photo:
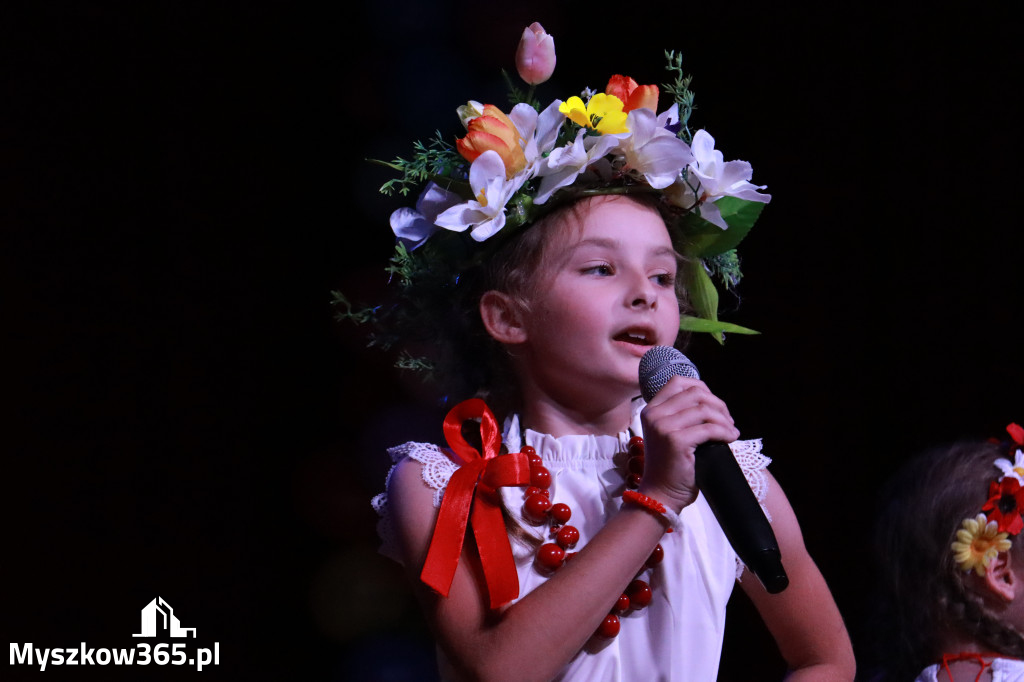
x=638 y=337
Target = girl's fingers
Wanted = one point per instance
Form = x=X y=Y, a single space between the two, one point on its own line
x=680 y=392
x=674 y=386
x=684 y=412
x=690 y=416
x=703 y=433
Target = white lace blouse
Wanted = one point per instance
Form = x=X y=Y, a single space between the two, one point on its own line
x=679 y=635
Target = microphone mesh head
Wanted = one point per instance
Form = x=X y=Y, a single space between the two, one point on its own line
x=660 y=364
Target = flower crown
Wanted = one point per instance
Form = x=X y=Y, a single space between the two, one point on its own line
x=982 y=538
x=509 y=169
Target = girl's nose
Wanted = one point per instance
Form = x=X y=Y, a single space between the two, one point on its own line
x=645 y=294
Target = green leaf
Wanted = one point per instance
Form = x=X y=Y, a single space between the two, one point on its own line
x=704 y=299
x=704 y=239
x=702 y=291
x=690 y=323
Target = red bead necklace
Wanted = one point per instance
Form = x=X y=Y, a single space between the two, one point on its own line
x=538 y=509
x=974 y=656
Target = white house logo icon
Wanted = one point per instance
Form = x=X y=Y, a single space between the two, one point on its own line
x=170 y=623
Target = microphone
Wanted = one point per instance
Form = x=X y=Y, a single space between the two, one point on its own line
x=722 y=481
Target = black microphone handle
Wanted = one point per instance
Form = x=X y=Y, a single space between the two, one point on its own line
x=721 y=481
x=734 y=504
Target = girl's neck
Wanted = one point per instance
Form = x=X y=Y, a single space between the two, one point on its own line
x=965 y=659
x=543 y=414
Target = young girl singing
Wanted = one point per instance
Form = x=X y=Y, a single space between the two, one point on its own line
x=953 y=565
x=560 y=534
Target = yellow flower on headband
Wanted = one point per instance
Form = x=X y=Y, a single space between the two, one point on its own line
x=978 y=542
x=606 y=110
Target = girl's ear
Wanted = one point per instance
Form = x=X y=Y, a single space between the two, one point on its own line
x=502 y=317
x=1000 y=578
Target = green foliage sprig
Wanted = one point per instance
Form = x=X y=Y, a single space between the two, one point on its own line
x=517 y=96
x=436 y=159
x=726 y=266
x=681 y=93
x=347 y=313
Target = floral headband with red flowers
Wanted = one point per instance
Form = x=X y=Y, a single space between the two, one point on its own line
x=980 y=539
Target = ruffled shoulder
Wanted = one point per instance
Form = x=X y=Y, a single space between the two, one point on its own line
x=437 y=471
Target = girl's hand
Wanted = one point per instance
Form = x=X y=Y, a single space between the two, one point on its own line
x=680 y=417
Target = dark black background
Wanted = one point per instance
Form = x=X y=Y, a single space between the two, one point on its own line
x=183 y=184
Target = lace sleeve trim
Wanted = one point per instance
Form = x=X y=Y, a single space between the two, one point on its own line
x=437 y=471
x=753 y=463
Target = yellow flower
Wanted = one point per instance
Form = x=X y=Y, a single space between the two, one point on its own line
x=978 y=542
x=603 y=113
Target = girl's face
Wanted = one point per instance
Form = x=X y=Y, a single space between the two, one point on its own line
x=603 y=295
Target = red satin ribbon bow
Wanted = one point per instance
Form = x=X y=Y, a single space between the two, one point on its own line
x=472 y=495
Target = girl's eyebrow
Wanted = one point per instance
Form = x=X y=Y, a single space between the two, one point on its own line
x=604 y=243
x=599 y=242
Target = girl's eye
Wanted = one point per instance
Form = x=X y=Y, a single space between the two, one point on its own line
x=665 y=279
x=603 y=269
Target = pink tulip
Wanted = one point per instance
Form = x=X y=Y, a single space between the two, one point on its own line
x=535 y=56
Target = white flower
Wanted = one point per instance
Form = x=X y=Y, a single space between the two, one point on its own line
x=486 y=212
x=468 y=111
x=652 y=150
x=563 y=165
x=414 y=226
x=681 y=194
x=719 y=178
x=648 y=149
x=537 y=132
x=1015 y=470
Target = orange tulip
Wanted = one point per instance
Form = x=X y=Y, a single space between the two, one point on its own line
x=633 y=96
x=493 y=131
